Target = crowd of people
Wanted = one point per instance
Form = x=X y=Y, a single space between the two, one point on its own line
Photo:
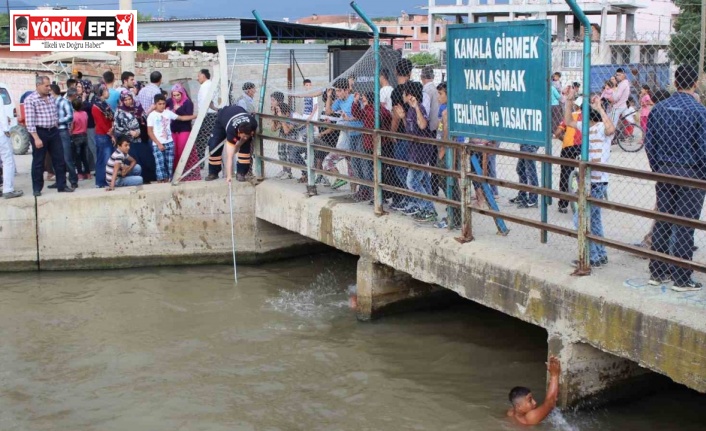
x=419 y=109
x=120 y=135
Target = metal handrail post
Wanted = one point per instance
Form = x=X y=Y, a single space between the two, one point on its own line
x=584 y=264
x=259 y=164
x=377 y=174
x=311 y=180
x=376 y=56
x=466 y=214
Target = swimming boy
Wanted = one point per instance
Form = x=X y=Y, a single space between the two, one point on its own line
x=524 y=408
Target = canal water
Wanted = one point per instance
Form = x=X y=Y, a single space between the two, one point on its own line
x=186 y=349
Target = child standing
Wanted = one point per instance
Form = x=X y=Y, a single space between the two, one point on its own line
x=122 y=170
x=79 y=140
x=159 y=129
x=646 y=105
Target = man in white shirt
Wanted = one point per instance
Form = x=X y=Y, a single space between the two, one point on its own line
x=433 y=94
x=7 y=159
x=620 y=95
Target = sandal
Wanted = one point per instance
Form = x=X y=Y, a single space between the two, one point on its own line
x=303 y=179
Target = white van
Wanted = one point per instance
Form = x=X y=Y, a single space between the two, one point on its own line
x=18 y=133
x=8 y=104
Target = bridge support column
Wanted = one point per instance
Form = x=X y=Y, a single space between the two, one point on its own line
x=383 y=290
x=591 y=377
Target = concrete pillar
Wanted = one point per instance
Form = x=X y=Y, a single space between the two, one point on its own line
x=490 y=18
x=431 y=27
x=630 y=27
x=471 y=18
x=619 y=26
x=604 y=23
x=561 y=27
x=635 y=54
x=383 y=290
x=512 y=16
x=127 y=58
x=576 y=28
x=591 y=376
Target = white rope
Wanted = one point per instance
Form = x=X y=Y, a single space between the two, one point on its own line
x=232 y=230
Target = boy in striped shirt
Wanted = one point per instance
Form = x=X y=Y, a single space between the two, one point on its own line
x=600 y=135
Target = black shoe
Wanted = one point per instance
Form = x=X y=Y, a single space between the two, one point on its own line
x=66 y=189
x=527 y=205
x=36 y=194
x=74 y=186
x=516 y=200
x=603 y=260
x=658 y=280
x=211 y=177
x=240 y=178
x=52 y=186
x=563 y=210
x=689 y=286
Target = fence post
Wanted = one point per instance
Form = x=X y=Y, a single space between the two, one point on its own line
x=449 y=156
x=584 y=266
x=259 y=164
x=377 y=173
x=311 y=180
x=466 y=214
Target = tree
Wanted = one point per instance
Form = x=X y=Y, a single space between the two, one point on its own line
x=685 y=42
x=422 y=59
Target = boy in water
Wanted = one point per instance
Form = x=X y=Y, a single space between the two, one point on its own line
x=524 y=408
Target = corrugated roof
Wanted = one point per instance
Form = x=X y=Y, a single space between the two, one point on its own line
x=234 y=29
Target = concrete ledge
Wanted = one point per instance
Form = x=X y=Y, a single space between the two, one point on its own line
x=18 y=234
x=661 y=335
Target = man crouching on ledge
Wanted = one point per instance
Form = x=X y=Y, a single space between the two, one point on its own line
x=524 y=408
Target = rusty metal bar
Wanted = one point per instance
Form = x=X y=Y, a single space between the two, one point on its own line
x=353 y=180
x=466 y=213
x=523 y=187
x=648 y=175
x=525 y=221
x=311 y=180
x=649 y=214
x=283 y=163
x=645 y=252
x=425 y=168
x=432 y=198
x=346 y=153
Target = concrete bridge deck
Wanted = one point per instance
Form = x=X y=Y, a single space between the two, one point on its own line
x=658 y=329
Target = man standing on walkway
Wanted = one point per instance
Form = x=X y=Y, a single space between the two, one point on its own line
x=41 y=120
x=676 y=145
x=65 y=121
x=146 y=95
x=7 y=159
x=246 y=100
x=620 y=96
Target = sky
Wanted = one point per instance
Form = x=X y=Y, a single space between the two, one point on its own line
x=268 y=9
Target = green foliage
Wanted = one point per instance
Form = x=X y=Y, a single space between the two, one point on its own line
x=146 y=48
x=685 y=42
x=4 y=22
x=424 y=59
x=385 y=18
x=143 y=16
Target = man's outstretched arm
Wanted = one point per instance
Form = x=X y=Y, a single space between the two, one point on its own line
x=540 y=413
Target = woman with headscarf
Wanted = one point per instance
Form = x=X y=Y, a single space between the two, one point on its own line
x=180 y=104
x=131 y=121
x=91 y=130
x=103 y=117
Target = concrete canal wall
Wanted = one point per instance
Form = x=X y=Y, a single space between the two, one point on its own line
x=145 y=226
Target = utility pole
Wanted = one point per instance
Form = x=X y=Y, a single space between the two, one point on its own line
x=127 y=58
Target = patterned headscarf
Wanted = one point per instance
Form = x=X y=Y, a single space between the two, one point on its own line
x=101 y=104
x=87 y=88
x=178 y=88
x=135 y=109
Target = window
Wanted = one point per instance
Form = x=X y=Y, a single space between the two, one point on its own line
x=620 y=54
x=383 y=29
x=6 y=100
x=438 y=30
x=408 y=45
x=425 y=30
x=571 y=59
x=424 y=46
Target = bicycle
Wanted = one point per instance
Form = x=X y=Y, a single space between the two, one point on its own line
x=628 y=136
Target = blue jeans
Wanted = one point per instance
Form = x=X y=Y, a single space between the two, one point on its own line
x=362 y=169
x=420 y=182
x=527 y=173
x=91 y=133
x=104 y=148
x=596 y=251
x=68 y=156
x=492 y=171
x=133 y=178
x=675 y=239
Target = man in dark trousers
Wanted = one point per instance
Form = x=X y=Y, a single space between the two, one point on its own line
x=42 y=124
x=676 y=145
x=237 y=127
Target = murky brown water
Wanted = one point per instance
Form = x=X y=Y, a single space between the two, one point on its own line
x=185 y=349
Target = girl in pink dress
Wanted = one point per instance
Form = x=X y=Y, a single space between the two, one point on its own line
x=646 y=104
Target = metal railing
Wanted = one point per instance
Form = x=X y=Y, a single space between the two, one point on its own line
x=463 y=176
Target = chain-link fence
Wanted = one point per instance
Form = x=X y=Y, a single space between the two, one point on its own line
x=630 y=81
